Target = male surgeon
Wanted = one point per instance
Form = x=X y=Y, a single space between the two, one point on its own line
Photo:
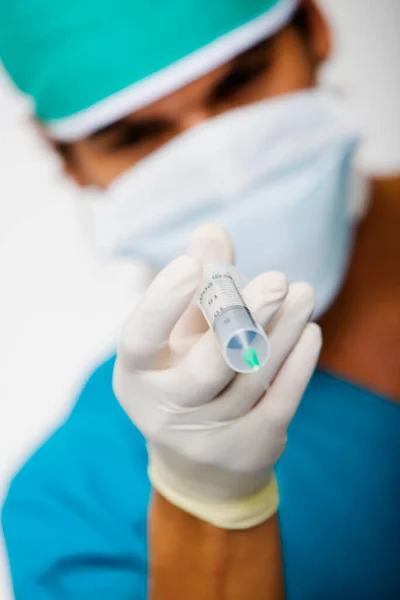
x=174 y=477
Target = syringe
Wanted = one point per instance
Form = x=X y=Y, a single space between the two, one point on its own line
x=242 y=340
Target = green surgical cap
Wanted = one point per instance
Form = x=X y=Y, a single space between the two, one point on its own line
x=86 y=63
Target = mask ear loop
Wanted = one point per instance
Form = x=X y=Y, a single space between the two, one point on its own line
x=360 y=195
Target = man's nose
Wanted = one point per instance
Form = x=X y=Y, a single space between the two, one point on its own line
x=193 y=117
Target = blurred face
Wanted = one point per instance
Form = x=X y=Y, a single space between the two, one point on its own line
x=285 y=63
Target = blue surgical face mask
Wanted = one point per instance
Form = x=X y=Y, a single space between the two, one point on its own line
x=276 y=174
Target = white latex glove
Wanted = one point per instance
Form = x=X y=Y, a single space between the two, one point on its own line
x=214 y=436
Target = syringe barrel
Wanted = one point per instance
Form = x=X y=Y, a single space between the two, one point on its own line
x=235 y=328
x=231 y=320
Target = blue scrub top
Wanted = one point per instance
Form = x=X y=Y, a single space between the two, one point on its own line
x=75 y=516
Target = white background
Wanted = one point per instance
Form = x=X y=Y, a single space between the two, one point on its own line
x=60 y=308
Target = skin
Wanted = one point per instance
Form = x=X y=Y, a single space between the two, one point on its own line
x=281 y=65
x=190 y=558
x=362 y=328
x=193 y=559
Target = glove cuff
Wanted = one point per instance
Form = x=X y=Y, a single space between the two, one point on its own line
x=225 y=514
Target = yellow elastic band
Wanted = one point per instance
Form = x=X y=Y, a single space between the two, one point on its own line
x=232 y=514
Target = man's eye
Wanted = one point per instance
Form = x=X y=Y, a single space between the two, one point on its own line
x=131 y=137
x=236 y=81
x=135 y=134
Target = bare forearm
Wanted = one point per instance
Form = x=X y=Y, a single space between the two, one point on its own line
x=192 y=559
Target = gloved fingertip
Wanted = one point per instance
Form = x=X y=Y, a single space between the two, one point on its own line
x=267 y=288
x=313 y=336
x=211 y=242
x=275 y=282
x=302 y=295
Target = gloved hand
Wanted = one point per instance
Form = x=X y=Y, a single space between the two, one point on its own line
x=214 y=436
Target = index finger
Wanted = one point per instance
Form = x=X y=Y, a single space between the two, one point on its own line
x=208 y=243
x=164 y=302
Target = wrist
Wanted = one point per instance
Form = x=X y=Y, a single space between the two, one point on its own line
x=225 y=512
